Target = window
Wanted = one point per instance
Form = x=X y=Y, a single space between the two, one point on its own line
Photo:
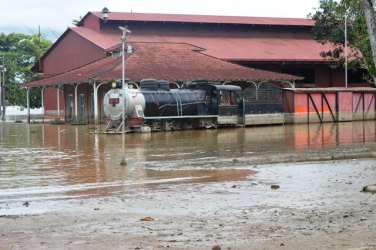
x=228 y=98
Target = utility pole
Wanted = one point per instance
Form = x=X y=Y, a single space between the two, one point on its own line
x=2 y=87
x=123 y=161
x=346 y=59
x=123 y=40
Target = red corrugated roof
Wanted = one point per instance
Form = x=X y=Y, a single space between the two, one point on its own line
x=176 y=62
x=251 y=47
x=82 y=74
x=232 y=47
x=102 y=40
x=169 y=61
x=152 y=17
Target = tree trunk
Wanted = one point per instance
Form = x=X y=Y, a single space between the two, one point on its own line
x=369 y=13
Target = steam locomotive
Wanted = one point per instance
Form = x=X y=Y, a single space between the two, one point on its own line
x=200 y=104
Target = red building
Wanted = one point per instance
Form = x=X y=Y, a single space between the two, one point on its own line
x=179 y=48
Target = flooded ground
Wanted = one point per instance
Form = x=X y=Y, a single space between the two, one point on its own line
x=62 y=187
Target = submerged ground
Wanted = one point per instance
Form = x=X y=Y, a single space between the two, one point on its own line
x=292 y=187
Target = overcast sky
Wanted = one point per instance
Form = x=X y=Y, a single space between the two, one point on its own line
x=54 y=16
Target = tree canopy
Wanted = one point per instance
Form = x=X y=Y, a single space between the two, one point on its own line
x=330 y=26
x=21 y=52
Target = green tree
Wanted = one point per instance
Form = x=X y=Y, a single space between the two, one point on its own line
x=75 y=22
x=369 y=7
x=330 y=26
x=21 y=52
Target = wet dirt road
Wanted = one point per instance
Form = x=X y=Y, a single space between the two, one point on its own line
x=62 y=187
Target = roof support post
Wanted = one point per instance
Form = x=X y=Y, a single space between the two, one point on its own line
x=292 y=84
x=28 y=103
x=95 y=89
x=176 y=84
x=42 y=104
x=58 y=101
x=75 y=101
x=256 y=87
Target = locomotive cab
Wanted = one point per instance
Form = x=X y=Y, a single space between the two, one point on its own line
x=225 y=101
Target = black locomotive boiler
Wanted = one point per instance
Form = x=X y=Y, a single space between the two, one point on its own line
x=200 y=104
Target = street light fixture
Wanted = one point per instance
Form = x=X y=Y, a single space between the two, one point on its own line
x=105 y=12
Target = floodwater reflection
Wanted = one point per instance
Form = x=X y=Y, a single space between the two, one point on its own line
x=46 y=163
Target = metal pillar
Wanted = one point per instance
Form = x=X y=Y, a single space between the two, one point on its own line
x=292 y=84
x=95 y=91
x=345 y=46
x=1 y=91
x=75 y=101
x=256 y=88
x=2 y=96
x=96 y=88
x=58 y=101
x=28 y=103
x=42 y=104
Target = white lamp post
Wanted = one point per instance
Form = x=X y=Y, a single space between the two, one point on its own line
x=123 y=161
x=2 y=88
x=346 y=46
x=123 y=40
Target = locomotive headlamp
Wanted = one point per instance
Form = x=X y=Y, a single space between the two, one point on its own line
x=116 y=85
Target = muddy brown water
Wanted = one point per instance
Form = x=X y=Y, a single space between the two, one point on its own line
x=46 y=168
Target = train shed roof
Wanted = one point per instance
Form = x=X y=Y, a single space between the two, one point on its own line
x=169 y=61
x=187 y=18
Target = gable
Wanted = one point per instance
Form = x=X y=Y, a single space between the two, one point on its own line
x=69 y=52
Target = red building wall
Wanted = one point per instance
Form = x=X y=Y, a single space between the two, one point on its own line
x=72 y=52
x=92 y=22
